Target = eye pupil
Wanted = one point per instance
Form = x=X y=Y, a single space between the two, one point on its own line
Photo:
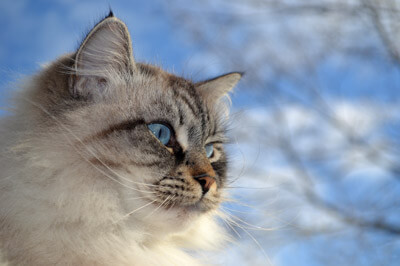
x=161 y=132
x=209 y=150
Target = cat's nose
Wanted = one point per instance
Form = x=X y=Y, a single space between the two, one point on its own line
x=205 y=182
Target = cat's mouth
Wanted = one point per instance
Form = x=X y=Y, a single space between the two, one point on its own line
x=194 y=209
x=185 y=195
x=199 y=204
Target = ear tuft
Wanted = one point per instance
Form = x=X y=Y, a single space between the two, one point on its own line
x=110 y=14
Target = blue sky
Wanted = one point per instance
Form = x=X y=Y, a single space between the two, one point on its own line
x=36 y=32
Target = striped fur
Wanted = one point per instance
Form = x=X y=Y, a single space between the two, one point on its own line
x=84 y=182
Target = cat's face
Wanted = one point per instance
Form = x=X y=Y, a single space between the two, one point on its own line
x=152 y=138
x=156 y=138
x=154 y=143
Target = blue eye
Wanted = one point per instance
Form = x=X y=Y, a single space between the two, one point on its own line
x=209 y=150
x=162 y=132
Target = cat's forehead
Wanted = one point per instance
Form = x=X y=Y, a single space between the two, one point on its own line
x=158 y=96
x=185 y=109
x=163 y=78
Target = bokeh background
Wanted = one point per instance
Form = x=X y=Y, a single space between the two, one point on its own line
x=315 y=122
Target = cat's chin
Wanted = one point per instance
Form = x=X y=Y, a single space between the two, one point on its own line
x=176 y=219
x=173 y=220
x=184 y=212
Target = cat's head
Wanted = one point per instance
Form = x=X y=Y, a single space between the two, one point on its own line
x=155 y=137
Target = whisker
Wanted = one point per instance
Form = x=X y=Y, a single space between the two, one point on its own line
x=241 y=203
x=250 y=226
x=138 y=183
x=226 y=221
x=233 y=210
x=256 y=208
x=158 y=207
x=243 y=168
x=240 y=187
x=253 y=238
x=283 y=222
x=135 y=210
x=134 y=198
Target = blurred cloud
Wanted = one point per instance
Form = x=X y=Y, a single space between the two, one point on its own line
x=315 y=131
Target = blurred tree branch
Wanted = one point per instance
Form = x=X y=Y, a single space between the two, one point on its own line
x=286 y=47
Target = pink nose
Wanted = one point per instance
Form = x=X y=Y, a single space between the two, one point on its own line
x=205 y=182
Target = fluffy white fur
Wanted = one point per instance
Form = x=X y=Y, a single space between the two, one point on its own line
x=57 y=210
x=39 y=189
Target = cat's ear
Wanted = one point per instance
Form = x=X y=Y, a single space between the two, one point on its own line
x=106 y=51
x=214 y=89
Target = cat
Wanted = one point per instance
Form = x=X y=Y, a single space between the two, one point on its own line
x=107 y=161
